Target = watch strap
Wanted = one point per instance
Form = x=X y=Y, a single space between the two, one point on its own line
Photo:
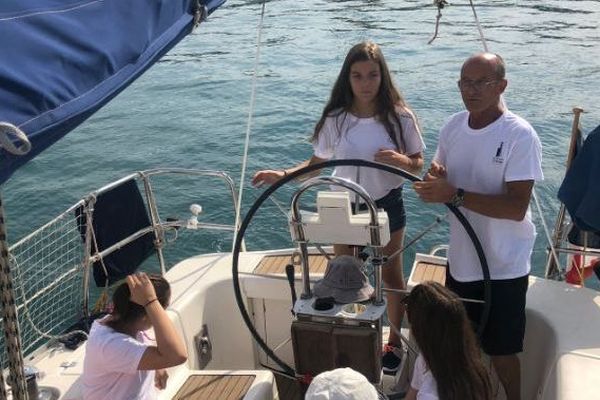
x=459 y=198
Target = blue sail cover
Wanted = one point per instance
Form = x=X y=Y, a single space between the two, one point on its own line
x=61 y=60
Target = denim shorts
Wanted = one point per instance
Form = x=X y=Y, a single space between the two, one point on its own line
x=393 y=205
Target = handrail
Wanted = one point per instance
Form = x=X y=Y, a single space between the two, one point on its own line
x=587 y=252
x=91 y=255
x=157 y=227
x=136 y=235
x=360 y=192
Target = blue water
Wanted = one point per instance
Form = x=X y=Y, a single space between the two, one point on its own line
x=191 y=109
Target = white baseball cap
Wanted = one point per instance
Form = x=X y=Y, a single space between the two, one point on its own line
x=341 y=384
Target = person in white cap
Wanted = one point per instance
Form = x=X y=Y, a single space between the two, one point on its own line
x=341 y=384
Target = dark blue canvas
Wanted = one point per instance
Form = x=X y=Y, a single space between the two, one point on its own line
x=61 y=60
x=118 y=214
x=580 y=191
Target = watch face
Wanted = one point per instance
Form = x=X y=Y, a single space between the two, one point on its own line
x=459 y=198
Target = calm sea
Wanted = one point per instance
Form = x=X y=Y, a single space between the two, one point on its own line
x=191 y=109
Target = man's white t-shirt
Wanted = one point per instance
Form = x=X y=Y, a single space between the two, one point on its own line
x=423 y=381
x=110 y=366
x=346 y=136
x=482 y=161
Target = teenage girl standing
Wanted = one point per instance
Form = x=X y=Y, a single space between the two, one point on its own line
x=367 y=118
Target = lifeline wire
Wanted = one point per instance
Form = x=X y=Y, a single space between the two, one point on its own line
x=250 y=115
x=435 y=223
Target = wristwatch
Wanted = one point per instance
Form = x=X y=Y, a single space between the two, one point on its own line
x=459 y=198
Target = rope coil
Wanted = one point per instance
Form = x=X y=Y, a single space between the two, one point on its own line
x=7 y=131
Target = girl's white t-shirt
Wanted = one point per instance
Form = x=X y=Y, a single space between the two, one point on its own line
x=346 y=136
x=110 y=366
x=423 y=381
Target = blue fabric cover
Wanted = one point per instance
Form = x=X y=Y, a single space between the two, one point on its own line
x=118 y=214
x=580 y=191
x=61 y=60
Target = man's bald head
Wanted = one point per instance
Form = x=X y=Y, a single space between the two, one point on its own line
x=493 y=61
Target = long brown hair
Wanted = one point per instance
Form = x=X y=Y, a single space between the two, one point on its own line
x=388 y=99
x=440 y=325
x=126 y=311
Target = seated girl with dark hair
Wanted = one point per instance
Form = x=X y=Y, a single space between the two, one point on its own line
x=449 y=366
x=120 y=361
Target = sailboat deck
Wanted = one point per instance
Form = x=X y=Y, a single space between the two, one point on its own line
x=275 y=265
x=426 y=271
x=209 y=387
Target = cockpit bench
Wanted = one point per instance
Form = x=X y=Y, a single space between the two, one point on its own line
x=427 y=268
x=275 y=264
x=207 y=387
x=221 y=384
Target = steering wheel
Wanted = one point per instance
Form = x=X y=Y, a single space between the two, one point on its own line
x=287 y=370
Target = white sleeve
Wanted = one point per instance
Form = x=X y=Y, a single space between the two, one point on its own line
x=324 y=146
x=123 y=353
x=411 y=134
x=418 y=373
x=440 y=152
x=446 y=136
x=525 y=159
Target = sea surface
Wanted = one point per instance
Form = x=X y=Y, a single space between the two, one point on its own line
x=192 y=108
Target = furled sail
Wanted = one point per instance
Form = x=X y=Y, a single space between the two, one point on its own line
x=61 y=60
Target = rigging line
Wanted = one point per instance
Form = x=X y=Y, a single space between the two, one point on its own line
x=440 y=5
x=323 y=252
x=485 y=47
x=279 y=206
x=250 y=115
x=103 y=299
x=403 y=338
x=546 y=230
x=427 y=229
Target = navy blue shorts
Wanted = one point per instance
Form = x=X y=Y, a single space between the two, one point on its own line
x=503 y=335
x=393 y=205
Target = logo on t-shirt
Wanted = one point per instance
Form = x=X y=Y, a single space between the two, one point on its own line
x=498 y=158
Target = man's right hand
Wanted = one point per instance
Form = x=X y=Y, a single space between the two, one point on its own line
x=435 y=171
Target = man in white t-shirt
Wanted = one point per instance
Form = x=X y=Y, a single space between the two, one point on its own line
x=486 y=163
